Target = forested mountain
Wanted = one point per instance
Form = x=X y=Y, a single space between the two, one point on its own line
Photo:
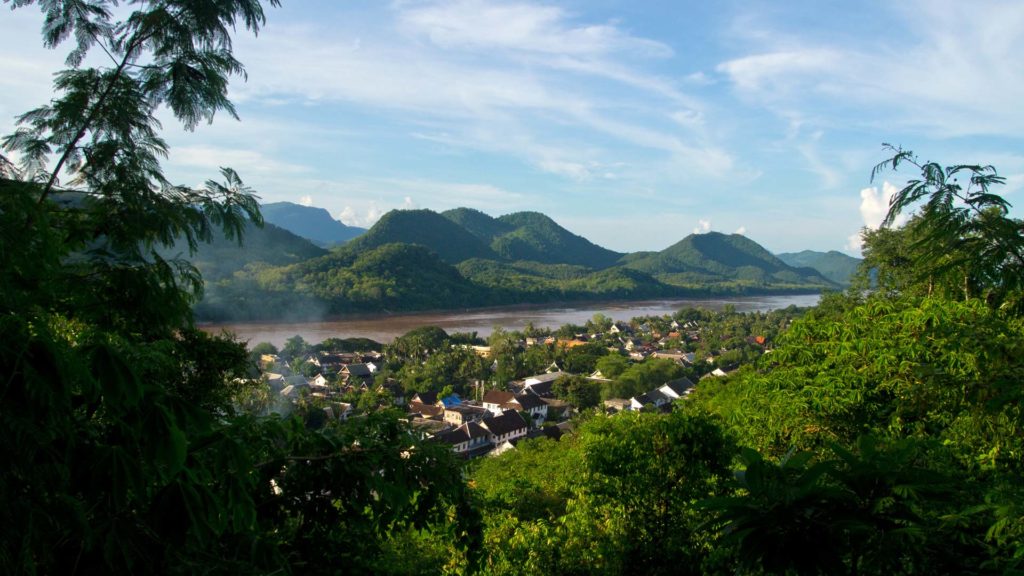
x=715 y=257
x=481 y=225
x=450 y=241
x=269 y=245
x=467 y=258
x=537 y=237
x=532 y=236
x=314 y=224
x=835 y=266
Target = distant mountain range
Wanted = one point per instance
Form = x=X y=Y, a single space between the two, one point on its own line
x=314 y=224
x=422 y=260
x=835 y=266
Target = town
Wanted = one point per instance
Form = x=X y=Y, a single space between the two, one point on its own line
x=484 y=396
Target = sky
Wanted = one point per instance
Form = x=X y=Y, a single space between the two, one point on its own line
x=631 y=123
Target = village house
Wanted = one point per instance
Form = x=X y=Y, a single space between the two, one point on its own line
x=662 y=396
x=508 y=426
x=356 y=374
x=541 y=384
x=466 y=439
x=494 y=399
x=498 y=401
x=463 y=413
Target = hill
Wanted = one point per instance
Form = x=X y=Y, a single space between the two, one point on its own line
x=270 y=245
x=714 y=258
x=532 y=236
x=835 y=266
x=388 y=278
x=537 y=237
x=452 y=242
x=314 y=224
x=414 y=260
x=478 y=224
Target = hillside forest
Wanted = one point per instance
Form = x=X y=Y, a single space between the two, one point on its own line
x=882 y=434
x=418 y=260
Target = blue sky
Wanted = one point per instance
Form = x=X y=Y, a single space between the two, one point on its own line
x=630 y=123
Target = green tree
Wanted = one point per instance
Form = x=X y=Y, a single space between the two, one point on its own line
x=127 y=452
x=295 y=348
x=612 y=365
x=963 y=225
x=578 y=391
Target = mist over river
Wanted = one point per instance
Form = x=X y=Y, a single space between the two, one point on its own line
x=384 y=328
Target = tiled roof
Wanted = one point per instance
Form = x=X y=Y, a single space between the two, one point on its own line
x=426 y=397
x=499 y=397
x=464 y=433
x=509 y=421
x=428 y=410
x=529 y=401
x=679 y=386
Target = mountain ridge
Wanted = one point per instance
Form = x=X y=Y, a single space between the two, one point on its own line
x=312 y=223
x=418 y=260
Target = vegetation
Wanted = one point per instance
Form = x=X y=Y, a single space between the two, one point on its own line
x=881 y=435
x=126 y=450
x=835 y=266
x=405 y=263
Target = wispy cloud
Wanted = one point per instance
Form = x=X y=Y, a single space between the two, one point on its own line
x=958 y=73
x=520 y=27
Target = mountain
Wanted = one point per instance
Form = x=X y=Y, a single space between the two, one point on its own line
x=449 y=240
x=269 y=245
x=533 y=237
x=716 y=257
x=315 y=224
x=538 y=238
x=835 y=266
x=484 y=227
x=417 y=260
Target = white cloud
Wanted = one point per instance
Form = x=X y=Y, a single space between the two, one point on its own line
x=306 y=200
x=874 y=205
x=688 y=118
x=772 y=71
x=703 y=226
x=854 y=243
x=573 y=170
x=243 y=161
x=363 y=219
x=699 y=79
x=742 y=230
x=519 y=26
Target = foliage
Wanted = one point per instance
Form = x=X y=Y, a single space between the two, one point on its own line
x=126 y=451
x=963 y=226
x=835 y=266
x=878 y=509
x=578 y=391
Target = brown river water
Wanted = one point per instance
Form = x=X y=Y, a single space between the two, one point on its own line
x=385 y=328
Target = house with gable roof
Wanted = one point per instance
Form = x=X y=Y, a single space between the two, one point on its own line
x=508 y=426
x=467 y=438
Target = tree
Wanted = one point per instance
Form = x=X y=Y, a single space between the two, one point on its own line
x=577 y=391
x=127 y=451
x=295 y=348
x=963 y=225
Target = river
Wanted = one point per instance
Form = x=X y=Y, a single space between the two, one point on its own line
x=386 y=328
